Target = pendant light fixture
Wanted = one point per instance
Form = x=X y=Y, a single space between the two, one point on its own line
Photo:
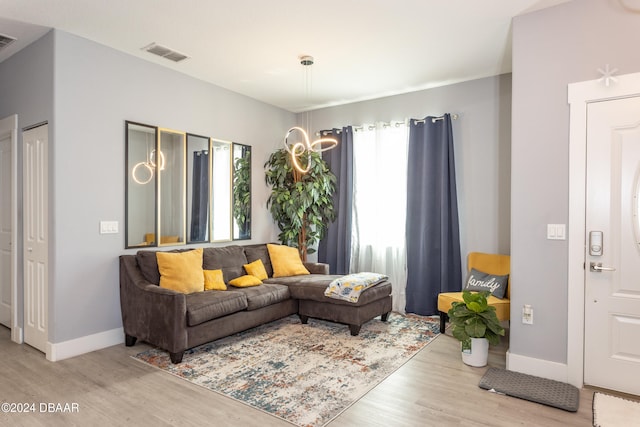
x=302 y=147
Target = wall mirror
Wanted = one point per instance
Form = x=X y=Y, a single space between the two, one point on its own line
x=185 y=188
x=241 y=192
x=171 y=166
x=199 y=170
x=141 y=185
x=221 y=190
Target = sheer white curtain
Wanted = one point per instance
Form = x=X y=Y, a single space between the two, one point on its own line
x=379 y=205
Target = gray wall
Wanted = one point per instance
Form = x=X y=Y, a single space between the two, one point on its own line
x=89 y=91
x=26 y=89
x=552 y=48
x=97 y=89
x=482 y=148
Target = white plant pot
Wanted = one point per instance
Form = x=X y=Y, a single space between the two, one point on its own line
x=478 y=354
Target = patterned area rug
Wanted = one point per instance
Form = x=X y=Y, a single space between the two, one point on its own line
x=304 y=374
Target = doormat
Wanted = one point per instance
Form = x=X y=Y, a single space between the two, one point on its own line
x=611 y=411
x=304 y=374
x=535 y=389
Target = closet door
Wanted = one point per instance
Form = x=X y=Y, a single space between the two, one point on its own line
x=35 y=217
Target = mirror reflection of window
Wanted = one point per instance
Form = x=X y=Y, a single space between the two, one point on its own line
x=171 y=165
x=221 y=190
x=198 y=185
x=241 y=192
x=141 y=185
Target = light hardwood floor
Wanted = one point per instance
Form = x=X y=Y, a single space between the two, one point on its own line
x=110 y=388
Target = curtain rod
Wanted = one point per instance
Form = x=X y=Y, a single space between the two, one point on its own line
x=454 y=116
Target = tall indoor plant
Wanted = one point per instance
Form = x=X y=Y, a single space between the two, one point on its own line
x=300 y=203
x=476 y=325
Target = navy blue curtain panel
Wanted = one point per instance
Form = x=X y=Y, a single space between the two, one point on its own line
x=433 y=234
x=200 y=197
x=335 y=248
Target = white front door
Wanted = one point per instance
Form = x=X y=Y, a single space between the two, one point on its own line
x=35 y=219
x=612 y=268
x=7 y=133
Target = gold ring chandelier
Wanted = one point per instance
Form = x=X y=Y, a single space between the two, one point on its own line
x=303 y=148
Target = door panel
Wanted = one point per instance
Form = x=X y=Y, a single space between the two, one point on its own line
x=612 y=288
x=35 y=215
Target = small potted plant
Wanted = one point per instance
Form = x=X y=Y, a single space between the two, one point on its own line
x=476 y=325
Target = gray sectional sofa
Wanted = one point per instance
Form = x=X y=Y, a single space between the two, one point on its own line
x=176 y=321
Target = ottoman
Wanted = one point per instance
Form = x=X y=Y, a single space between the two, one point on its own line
x=309 y=291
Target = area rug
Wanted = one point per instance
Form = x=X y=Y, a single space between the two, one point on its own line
x=304 y=374
x=611 y=411
x=529 y=387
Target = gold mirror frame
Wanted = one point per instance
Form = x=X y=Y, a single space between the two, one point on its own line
x=171 y=165
x=221 y=161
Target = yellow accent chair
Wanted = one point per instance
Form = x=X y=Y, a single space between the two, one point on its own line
x=487 y=263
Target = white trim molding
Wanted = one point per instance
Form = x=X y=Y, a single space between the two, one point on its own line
x=11 y=123
x=16 y=335
x=538 y=367
x=579 y=96
x=82 y=345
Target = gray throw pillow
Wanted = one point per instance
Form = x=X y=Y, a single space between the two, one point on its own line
x=479 y=281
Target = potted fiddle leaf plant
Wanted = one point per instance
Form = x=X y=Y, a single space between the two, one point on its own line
x=475 y=325
x=300 y=203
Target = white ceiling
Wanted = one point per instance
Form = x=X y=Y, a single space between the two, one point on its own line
x=362 y=49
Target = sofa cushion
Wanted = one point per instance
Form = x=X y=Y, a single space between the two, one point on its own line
x=265 y=295
x=229 y=259
x=208 y=305
x=312 y=287
x=286 y=261
x=148 y=263
x=259 y=252
x=181 y=272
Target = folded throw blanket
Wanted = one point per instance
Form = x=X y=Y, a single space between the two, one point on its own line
x=349 y=287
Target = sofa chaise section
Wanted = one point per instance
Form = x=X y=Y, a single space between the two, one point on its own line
x=309 y=291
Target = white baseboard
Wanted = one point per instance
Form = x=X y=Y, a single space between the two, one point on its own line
x=538 y=367
x=82 y=345
x=16 y=335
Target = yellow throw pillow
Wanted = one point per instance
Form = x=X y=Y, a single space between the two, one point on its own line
x=256 y=268
x=245 y=281
x=214 y=281
x=181 y=271
x=285 y=261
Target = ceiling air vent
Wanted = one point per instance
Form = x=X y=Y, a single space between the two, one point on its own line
x=165 y=52
x=5 y=41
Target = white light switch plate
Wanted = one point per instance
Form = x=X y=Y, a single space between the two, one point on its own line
x=556 y=231
x=108 y=227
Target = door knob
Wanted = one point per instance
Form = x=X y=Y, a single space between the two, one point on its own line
x=598 y=267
